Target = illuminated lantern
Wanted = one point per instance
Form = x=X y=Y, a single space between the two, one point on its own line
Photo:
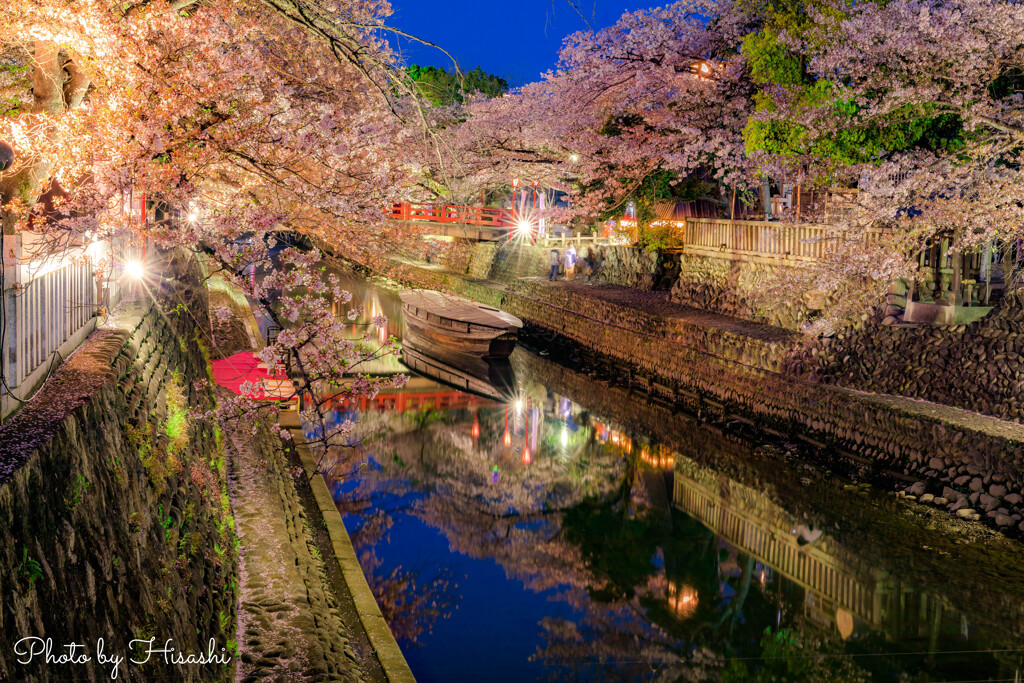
x=683 y=600
x=476 y=426
x=844 y=622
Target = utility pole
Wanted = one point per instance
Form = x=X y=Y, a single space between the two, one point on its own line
x=6 y=161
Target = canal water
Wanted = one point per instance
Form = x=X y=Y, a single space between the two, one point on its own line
x=572 y=530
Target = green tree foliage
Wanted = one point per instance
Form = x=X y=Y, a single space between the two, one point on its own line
x=443 y=87
x=773 y=63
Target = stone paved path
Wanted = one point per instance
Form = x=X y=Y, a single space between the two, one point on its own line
x=658 y=304
x=289 y=625
x=289 y=629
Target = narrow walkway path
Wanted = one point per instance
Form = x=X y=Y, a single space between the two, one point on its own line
x=442 y=271
x=290 y=627
x=657 y=304
x=653 y=303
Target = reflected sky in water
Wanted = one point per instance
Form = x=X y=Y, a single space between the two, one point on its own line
x=575 y=532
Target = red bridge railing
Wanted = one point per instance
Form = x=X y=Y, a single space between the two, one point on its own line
x=449 y=213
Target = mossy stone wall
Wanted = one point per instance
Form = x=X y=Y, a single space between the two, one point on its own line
x=113 y=500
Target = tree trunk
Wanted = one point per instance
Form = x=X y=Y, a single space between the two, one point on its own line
x=53 y=91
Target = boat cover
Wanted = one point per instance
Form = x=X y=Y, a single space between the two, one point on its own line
x=457 y=308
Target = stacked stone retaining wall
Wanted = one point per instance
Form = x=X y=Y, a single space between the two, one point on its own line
x=709 y=371
x=112 y=504
x=731 y=285
x=604 y=264
x=976 y=366
x=724 y=284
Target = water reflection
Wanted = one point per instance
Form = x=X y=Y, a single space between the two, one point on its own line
x=569 y=529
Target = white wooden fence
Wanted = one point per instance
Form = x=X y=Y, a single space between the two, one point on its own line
x=49 y=307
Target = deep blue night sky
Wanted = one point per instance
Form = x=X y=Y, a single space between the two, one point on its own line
x=517 y=41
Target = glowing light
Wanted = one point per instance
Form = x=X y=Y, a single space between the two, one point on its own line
x=523 y=227
x=683 y=600
x=519 y=405
x=476 y=426
x=844 y=622
x=565 y=436
x=133 y=269
x=527 y=457
x=192 y=217
x=574 y=158
x=704 y=68
x=507 y=439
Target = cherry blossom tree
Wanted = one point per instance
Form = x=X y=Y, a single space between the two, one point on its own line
x=910 y=63
x=247 y=118
x=661 y=90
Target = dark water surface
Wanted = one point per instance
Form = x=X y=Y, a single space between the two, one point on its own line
x=579 y=532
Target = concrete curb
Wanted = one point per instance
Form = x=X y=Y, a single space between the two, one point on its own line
x=390 y=656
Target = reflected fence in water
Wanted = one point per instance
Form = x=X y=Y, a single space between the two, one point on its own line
x=840 y=592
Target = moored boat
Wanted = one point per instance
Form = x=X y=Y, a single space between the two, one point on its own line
x=460 y=325
x=491 y=379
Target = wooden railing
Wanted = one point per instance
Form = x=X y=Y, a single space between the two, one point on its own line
x=450 y=213
x=797 y=242
x=50 y=303
x=719 y=238
x=754 y=238
x=575 y=240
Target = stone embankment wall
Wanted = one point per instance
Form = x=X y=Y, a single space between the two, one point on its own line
x=976 y=366
x=113 y=503
x=723 y=373
x=719 y=284
x=629 y=267
x=625 y=266
x=730 y=286
x=538 y=303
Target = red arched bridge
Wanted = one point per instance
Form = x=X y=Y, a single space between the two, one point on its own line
x=475 y=222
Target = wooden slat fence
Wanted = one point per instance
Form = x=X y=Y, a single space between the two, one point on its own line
x=50 y=307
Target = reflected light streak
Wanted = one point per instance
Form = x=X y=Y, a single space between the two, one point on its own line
x=683 y=600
